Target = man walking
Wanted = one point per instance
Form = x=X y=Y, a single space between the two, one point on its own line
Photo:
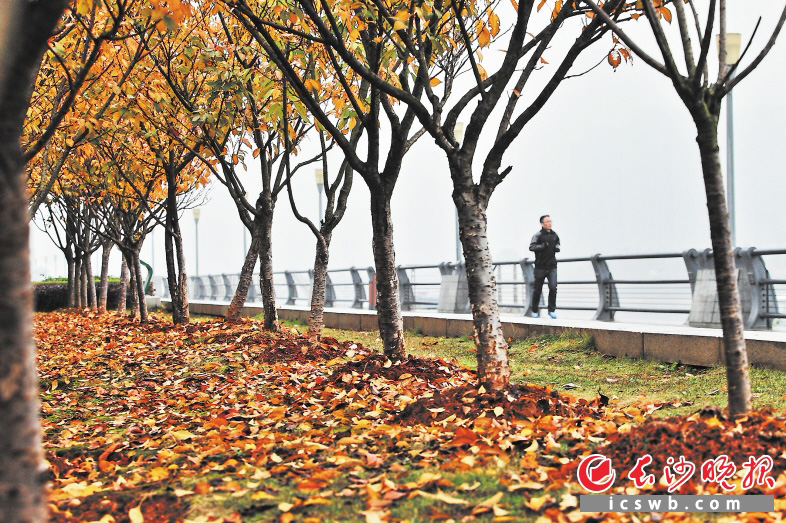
x=545 y=245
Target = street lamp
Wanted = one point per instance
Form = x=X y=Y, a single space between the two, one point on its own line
x=458 y=134
x=733 y=41
x=320 y=175
x=196 y=212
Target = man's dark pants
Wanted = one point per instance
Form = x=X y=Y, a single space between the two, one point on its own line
x=540 y=276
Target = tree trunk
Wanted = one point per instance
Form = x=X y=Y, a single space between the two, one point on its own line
x=70 y=289
x=91 y=283
x=266 y=272
x=103 y=289
x=391 y=324
x=78 y=281
x=316 y=321
x=124 y=280
x=491 y=347
x=734 y=350
x=140 y=288
x=83 y=304
x=246 y=277
x=27 y=26
x=133 y=295
x=22 y=479
x=177 y=279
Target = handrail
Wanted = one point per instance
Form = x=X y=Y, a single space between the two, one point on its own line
x=443 y=286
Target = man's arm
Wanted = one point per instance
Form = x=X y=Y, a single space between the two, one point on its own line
x=556 y=248
x=535 y=245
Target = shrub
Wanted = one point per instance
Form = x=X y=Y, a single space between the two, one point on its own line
x=48 y=297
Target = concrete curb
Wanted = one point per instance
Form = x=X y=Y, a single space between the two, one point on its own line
x=689 y=345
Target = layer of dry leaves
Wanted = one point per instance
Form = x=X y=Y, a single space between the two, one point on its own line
x=140 y=420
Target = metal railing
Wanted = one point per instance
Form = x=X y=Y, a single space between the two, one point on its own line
x=586 y=284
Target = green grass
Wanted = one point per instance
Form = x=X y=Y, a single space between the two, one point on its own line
x=572 y=360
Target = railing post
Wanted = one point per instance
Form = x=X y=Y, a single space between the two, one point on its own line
x=406 y=296
x=693 y=262
x=252 y=289
x=763 y=299
x=213 y=287
x=360 y=289
x=291 y=288
x=528 y=273
x=607 y=290
x=227 y=288
x=453 y=289
x=372 y=288
x=330 y=291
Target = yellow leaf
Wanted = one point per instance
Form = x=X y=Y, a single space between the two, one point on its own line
x=493 y=500
x=83 y=7
x=256 y=496
x=372 y=516
x=182 y=435
x=541 y=4
x=665 y=13
x=484 y=37
x=441 y=496
x=537 y=503
x=494 y=23
x=398 y=25
x=713 y=422
x=543 y=60
x=159 y=473
x=435 y=82
x=135 y=515
x=285 y=507
x=498 y=411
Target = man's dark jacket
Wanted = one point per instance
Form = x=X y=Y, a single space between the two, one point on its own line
x=545 y=245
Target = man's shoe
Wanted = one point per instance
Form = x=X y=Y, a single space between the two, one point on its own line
x=535 y=315
x=553 y=315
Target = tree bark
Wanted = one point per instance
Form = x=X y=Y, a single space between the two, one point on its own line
x=83 y=303
x=246 y=277
x=92 y=300
x=71 y=281
x=132 y=287
x=316 y=320
x=491 y=347
x=124 y=281
x=21 y=460
x=737 y=375
x=266 y=272
x=177 y=279
x=103 y=289
x=26 y=28
x=391 y=324
x=78 y=281
x=140 y=288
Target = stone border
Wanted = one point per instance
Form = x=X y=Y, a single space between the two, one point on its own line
x=689 y=345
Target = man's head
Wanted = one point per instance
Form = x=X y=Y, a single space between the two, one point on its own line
x=545 y=222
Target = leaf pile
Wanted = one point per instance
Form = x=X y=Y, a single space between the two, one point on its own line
x=704 y=435
x=517 y=403
x=199 y=424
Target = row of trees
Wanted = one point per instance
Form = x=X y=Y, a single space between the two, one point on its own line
x=136 y=104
